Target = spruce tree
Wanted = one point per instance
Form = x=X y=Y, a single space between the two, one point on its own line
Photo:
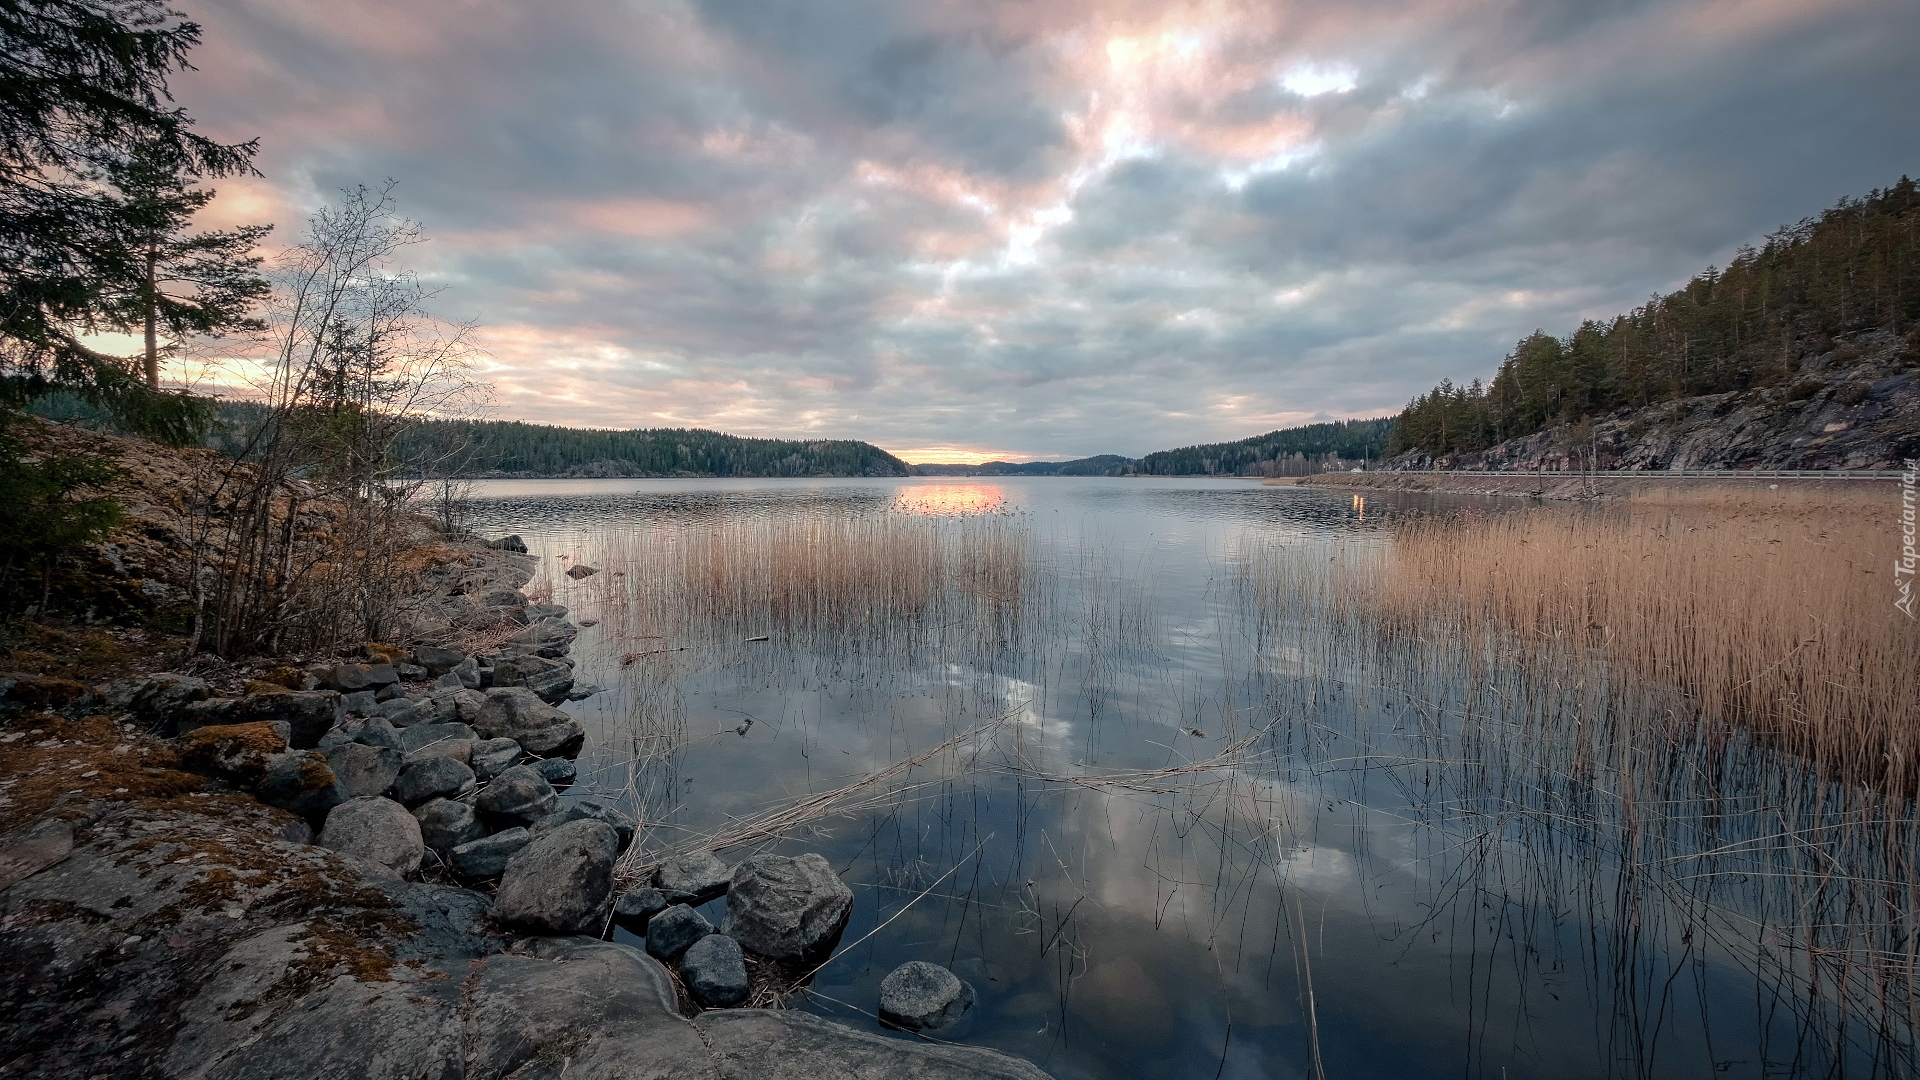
x=184 y=283
x=83 y=87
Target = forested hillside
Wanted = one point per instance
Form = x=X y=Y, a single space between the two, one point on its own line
x=511 y=448
x=1349 y=440
x=1772 y=312
x=1098 y=465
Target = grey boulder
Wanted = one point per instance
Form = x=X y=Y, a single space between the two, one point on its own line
x=489 y=758
x=445 y=824
x=549 y=637
x=558 y=771
x=919 y=996
x=358 y=703
x=787 y=908
x=300 y=781
x=584 y=811
x=693 y=878
x=377 y=731
x=673 y=930
x=403 y=711
x=637 y=907
x=457 y=749
x=421 y=735
x=361 y=769
x=547 y=679
x=517 y=713
x=378 y=830
x=307 y=713
x=561 y=883
x=438 y=661
x=434 y=778
x=353 y=678
x=488 y=856
x=156 y=698
x=518 y=796
x=715 y=971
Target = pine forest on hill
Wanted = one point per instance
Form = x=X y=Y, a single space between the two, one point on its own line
x=1855 y=267
x=512 y=448
x=1346 y=440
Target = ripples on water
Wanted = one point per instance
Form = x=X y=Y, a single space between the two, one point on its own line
x=1407 y=865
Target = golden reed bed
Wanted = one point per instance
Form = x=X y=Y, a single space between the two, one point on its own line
x=1771 y=610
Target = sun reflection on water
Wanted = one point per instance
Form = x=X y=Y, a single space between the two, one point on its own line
x=950 y=500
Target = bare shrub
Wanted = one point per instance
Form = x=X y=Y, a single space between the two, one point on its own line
x=300 y=538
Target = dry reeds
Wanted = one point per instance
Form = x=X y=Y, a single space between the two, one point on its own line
x=1768 y=611
x=850 y=576
x=1703 y=699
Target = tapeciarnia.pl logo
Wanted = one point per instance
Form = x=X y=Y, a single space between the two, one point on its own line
x=1904 y=566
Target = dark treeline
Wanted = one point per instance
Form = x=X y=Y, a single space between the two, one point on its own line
x=507 y=447
x=1855 y=267
x=1098 y=465
x=483 y=448
x=1351 y=440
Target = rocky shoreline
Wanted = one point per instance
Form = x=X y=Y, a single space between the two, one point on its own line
x=1574 y=486
x=364 y=867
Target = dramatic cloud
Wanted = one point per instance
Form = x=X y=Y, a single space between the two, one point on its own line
x=1048 y=227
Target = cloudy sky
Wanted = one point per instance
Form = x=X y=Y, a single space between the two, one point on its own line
x=1047 y=228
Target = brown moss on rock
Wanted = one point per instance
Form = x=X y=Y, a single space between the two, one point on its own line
x=91 y=758
x=238 y=753
x=46 y=692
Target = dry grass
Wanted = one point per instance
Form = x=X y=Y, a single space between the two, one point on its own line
x=870 y=575
x=1703 y=697
x=1768 y=611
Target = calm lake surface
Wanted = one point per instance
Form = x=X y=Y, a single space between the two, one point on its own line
x=1197 y=832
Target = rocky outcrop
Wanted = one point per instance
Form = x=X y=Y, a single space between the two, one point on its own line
x=183 y=927
x=123 y=955
x=1855 y=406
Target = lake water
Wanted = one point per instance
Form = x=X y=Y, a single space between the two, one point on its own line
x=1175 y=824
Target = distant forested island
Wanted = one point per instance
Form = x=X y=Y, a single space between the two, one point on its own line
x=1288 y=451
x=1099 y=465
x=509 y=448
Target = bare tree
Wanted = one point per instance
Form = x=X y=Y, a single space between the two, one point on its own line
x=304 y=531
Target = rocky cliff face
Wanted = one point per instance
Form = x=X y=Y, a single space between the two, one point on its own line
x=1855 y=406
